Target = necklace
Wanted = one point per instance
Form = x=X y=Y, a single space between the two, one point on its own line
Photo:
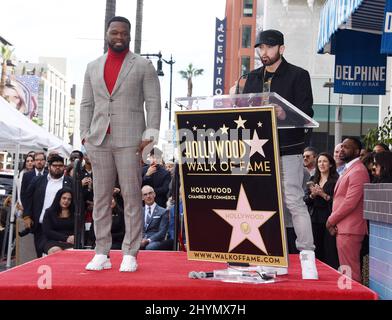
x=267 y=84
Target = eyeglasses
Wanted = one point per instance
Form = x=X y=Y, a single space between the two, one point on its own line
x=57 y=165
x=148 y=193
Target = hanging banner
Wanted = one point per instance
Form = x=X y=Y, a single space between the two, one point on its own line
x=230 y=180
x=386 y=41
x=359 y=67
x=220 y=51
x=22 y=93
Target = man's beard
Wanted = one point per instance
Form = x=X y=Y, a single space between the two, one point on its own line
x=271 y=61
x=119 y=49
x=56 y=175
x=347 y=158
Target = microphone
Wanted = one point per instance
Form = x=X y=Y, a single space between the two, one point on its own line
x=230 y=274
x=237 y=88
x=200 y=275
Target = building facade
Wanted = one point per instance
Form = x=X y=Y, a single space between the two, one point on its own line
x=240 y=35
x=53 y=98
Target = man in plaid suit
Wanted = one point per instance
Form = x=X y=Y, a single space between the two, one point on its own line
x=114 y=130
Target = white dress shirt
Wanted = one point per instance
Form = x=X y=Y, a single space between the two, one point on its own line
x=348 y=165
x=52 y=187
x=146 y=211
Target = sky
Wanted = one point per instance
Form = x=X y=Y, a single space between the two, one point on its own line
x=74 y=29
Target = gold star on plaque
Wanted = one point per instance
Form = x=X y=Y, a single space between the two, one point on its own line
x=240 y=123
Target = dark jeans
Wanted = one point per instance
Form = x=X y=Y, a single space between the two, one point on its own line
x=326 y=250
x=154 y=245
x=291 y=237
x=39 y=240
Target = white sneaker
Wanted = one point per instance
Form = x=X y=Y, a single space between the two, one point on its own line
x=308 y=265
x=99 y=262
x=279 y=271
x=128 y=264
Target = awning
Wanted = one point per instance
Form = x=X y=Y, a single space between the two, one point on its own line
x=359 y=15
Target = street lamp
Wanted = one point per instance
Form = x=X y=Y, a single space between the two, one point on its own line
x=160 y=74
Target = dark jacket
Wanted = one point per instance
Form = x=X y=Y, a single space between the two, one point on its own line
x=293 y=84
x=56 y=228
x=159 y=181
x=26 y=180
x=157 y=228
x=320 y=208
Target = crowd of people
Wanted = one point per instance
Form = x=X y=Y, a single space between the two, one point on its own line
x=46 y=202
x=334 y=196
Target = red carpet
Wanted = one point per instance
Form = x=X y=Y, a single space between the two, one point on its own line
x=161 y=276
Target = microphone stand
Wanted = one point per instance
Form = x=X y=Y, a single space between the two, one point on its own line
x=176 y=207
x=237 y=88
x=78 y=198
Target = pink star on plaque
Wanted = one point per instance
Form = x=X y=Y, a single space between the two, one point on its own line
x=245 y=222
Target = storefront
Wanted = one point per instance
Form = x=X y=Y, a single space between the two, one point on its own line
x=340 y=21
x=358 y=33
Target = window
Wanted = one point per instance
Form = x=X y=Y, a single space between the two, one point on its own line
x=245 y=64
x=246 y=36
x=248 y=8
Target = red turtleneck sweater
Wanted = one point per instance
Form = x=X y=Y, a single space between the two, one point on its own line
x=113 y=65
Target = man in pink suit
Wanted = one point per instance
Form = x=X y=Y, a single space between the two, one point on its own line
x=346 y=220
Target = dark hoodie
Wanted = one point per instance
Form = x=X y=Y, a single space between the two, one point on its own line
x=293 y=84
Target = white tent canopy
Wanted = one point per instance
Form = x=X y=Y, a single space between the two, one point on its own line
x=20 y=135
x=17 y=129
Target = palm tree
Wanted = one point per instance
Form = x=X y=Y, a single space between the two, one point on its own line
x=139 y=25
x=109 y=13
x=188 y=74
x=5 y=53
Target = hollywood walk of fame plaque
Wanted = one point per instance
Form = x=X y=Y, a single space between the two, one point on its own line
x=231 y=186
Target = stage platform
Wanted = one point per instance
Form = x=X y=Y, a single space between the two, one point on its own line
x=162 y=275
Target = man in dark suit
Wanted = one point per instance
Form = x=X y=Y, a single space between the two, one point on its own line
x=39 y=170
x=156 y=221
x=40 y=195
x=156 y=176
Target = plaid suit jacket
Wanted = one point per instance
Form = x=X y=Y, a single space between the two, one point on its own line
x=137 y=86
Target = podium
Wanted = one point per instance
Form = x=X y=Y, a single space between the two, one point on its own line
x=295 y=119
x=230 y=176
